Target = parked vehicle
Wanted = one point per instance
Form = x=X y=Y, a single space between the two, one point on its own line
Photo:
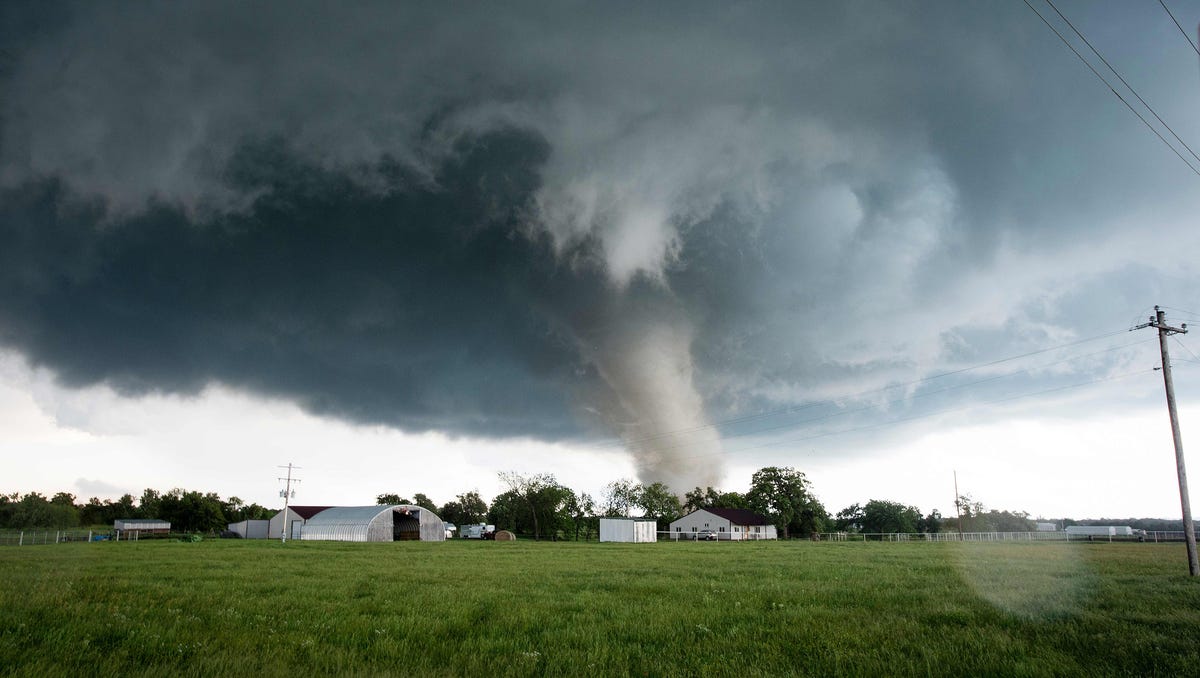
x=706 y=535
x=480 y=531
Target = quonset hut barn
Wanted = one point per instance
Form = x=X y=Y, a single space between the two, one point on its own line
x=404 y=522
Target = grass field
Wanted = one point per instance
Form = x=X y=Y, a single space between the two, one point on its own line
x=486 y=608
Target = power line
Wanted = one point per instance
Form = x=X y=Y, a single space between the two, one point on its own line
x=1185 y=33
x=866 y=408
x=1123 y=82
x=1112 y=89
x=854 y=396
x=925 y=415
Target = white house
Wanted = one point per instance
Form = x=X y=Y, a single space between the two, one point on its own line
x=634 y=530
x=725 y=524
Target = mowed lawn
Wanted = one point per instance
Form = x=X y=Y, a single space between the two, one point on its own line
x=483 y=608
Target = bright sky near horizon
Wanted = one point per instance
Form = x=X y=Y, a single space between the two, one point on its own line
x=408 y=248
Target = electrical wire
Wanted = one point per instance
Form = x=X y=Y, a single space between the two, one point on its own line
x=1123 y=82
x=900 y=401
x=1185 y=33
x=854 y=396
x=1112 y=89
x=925 y=415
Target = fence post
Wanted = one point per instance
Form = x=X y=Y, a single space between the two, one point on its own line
x=21 y=539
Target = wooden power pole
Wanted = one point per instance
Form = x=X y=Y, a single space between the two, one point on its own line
x=1159 y=322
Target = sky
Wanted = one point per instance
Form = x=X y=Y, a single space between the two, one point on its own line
x=406 y=248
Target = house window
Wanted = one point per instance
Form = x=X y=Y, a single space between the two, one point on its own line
x=679 y=529
x=721 y=529
x=693 y=528
x=737 y=528
x=706 y=524
x=757 y=528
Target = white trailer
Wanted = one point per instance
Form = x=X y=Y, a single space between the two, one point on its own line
x=1096 y=531
x=633 y=530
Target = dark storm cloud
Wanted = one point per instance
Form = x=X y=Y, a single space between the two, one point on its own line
x=536 y=220
x=406 y=305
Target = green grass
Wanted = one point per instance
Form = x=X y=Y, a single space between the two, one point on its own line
x=484 y=608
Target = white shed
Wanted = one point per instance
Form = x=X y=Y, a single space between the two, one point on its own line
x=251 y=529
x=636 y=530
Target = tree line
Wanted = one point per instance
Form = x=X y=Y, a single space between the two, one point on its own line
x=540 y=507
x=187 y=510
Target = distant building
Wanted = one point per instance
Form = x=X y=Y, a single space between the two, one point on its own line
x=251 y=529
x=634 y=530
x=402 y=522
x=296 y=517
x=134 y=528
x=725 y=524
x=1047 y=527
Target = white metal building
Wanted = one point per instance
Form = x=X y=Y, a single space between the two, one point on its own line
x=726 y=524
x=636 y=530
x=404 y=522
x=251 y=529
x=296 y=517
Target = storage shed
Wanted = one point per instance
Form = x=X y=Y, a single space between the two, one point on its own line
x=635 y=530
x=403 y=522
x=132 y=528
x=250 y=529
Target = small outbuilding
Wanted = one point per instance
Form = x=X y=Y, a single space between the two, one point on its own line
x=250 y=529
x=723 y=524
x=403 y=522
x=134 y=528
x=634 y=530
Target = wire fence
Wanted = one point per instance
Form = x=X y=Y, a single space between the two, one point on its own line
x=1137 y=536
x=41 y=537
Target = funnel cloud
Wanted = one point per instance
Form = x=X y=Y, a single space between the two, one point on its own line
x=580 y=223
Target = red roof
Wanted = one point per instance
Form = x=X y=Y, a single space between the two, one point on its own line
x=307 y=512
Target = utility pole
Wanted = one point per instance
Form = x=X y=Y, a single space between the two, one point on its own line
x=1159 y=322
x=958 y=505
x=287 y=492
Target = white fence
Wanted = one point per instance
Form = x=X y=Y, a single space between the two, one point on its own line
x=1147 y=536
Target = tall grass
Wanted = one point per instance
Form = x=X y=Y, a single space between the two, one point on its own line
x=486 y=608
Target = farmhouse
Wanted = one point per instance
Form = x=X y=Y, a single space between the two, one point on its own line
x=634 y=530
x=374 y=523
x=723 y=524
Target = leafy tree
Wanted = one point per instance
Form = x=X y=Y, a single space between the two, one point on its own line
x=658 y=502
x=544 y=499
x=784 y=494
x=390 y=500
x=582 y=509
x=148 y=505
x=849 y=519
x=420 y=499
x=466 y=509
x=713 y=498
x=620 y=498
x=889 y=516
x=977 y=518
x=931 y=523
x=34 y=510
